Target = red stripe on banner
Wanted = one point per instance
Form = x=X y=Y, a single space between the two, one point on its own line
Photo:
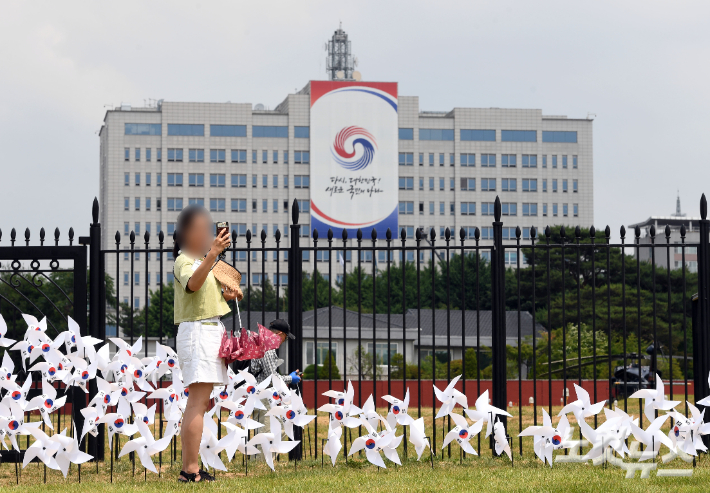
x=320 y=213
x=321 y=87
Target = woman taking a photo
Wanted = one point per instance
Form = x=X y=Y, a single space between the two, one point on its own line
x=200 y=301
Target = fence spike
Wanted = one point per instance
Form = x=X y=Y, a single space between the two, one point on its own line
x=668 y=231
x=388 y=234
x=637 y=231
x=13 y=235
x=41 y=236
x=95 y=211
x=518 y=232
x=71 y=235
x=447 y=234
x=607 y=231
x=592 y=231
x=403 y=234
x=146 y=236
x=462 y=234
x=345 y=234
x=703 y=207
x=234 y=236
x=432 y=234
x=652 y=231
x=27 y=236
x=373 y=234
x=682 y=230
x=277 y=235
x=418 y=234
x=263 y=236
x=497 y=209
x=117 y=237
x=562 y=232
x=0 y=234
x=161 y=237
x=132 y=237
x=533 y=232
x=622 y=231
x=315 y=234
x=295 y=211
x=248 y=235
x=359 y=234
x=577 y=232
x=330 y=234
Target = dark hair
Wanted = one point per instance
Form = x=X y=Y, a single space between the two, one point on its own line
x=184 y=221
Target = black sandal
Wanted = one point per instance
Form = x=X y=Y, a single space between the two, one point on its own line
x=205 y=476
x=191 y=478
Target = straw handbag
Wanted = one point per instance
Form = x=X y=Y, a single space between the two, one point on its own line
x=228 y=276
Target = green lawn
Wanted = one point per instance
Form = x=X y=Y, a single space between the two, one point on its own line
x=483 y=473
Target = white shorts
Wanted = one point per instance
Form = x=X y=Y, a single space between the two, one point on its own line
x=198 y=351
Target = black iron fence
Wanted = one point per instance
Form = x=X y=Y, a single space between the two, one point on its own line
x=523 y=315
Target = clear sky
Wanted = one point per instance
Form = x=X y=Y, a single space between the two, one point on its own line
x=642 y=67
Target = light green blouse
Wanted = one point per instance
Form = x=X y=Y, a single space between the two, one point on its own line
x=206 y=302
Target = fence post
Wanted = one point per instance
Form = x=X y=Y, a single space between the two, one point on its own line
x=295 y=309
x=701 y=326
x=498 y=339
x=96 y=287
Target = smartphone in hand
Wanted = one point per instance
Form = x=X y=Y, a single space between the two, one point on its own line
x=222 y=226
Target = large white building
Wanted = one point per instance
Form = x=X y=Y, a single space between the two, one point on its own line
x=247 y=165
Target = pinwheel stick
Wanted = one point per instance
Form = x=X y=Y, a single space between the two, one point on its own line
x=431 y=452
x=322 y=447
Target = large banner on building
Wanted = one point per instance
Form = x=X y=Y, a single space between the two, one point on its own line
x=354 y=145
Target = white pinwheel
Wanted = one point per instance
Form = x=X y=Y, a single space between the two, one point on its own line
x=501 y=439
x=271 y=443
x=582 y=407
x=144 y=413
x=126 y=348
x=43 y=448
x=209 y=445
x=7 y=370
x=610 y=434
x=146 y=445
x=686 y=433
x=239 y=413
x=91 y=418
x=449 y=397
x=652 y=437
x=548 y=438
x=4 y=341
x=118 y=422
x=235 y=440
x=462 y=433
x=654 y=399
x=368 y=412
x=332 y=445
x=705 y=401
x=399 y=409
x=292 y=414
x=108 y=395
x=342 y=397
x=483 y=410
x=417 y=436
x=68 y=452
x=342 y=415
x=46 y=403
x=373 y=443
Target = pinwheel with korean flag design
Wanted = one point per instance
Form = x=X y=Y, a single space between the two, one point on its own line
x=654 y=399
x=342 y=415
x=368 y=412
x=144 y=413
x=547 y=438
x=449 y=397
x=239 y=413
x=91 y=418
x=125 y=349
x=146 y=445
x=582 y=407
x=236 y=440
x=50 y=371
x=15 y=393
x=399 y=409
x=342 y=397
x=486 y=412
x=462 y=433
x=417 y=437
x=686 y=433
x=46 y=403
x=170 y=395
x=4 y=341
x=7 y=372
x=252 y=390
x=332 y=445
x=279 y=394
x=84 y=344
x=118 y=422
x=12 y=422
x=209 y=444
x=291 y=414
x=68 y=452
x=82 y=372
x=43 y=448
x=373 y=443
x=108 y=395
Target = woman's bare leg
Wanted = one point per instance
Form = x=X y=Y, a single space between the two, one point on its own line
x=192 y=424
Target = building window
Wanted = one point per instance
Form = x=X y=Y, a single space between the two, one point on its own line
x=125 y=278
x=406 y=208
x=529 y=185
x=174 y=179
x=142 y=129
x=468 y=208
x=442 y=206
x=544 y=185
x=275 y=181
x=253 y=157
x=574 y=186
x=302 y=132
x=239 y=205
x=285 y=157
x=194 y=180
x=436 y=134
x=511 y=258
x=574 y=161
x=441 y=159
x=559 y=137
x=302 y=157
x=253 y=181
x=175 y=155
x=488 y=160
x=187 y=130
x=126 y=228
x=160 y=155
x=406 y=159
x=575 y=209
x=138 y=179
x=452 y=209
x=421 y=208
x=239 y=156
x=196 y=201
x=554 y=161
x=217 y=205
x=239 y=181
x=469 y=184
x=564 y=186
x=468 y=160
x=174 y=204
x=264 y=157
x=126 y=153
x=554 y=185
x=452 y=185
x=275 y=157
x=544 y=209
x=544 y=160
x=217 y=155
x=431 y=208
x=138 y=204
x=302 y=181
x=421 y=183
x=383 y=352
x=529 y=209
x=264 y=181
x=508 y=184
x=518 y=135
x=488 y=184
x=406 y=134
x=158 y=203
x=406 y=183
x=228 y=130
x=554 y=209
x=441 y=184
x=431 y=159
x=217 y=180
x=269 y=131
x=529 y=160
x=564 y=210
x=147 y=179
x=136 y=279
x=126 y=178
x=125 y=203
x=508 y=160
x=137 y=154
x=509 y=208
x=421 y=159
x=431 y=183
x=196 y=155
x=478 y=135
